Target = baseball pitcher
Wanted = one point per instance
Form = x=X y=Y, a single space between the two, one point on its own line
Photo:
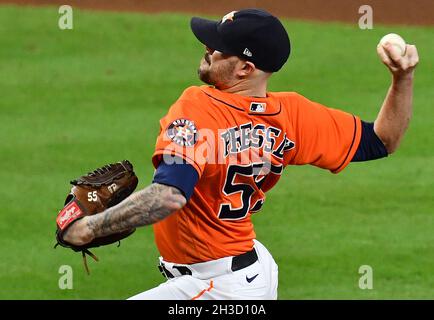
x=223 y=145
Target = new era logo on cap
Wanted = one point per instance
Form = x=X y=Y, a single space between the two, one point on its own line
x=258 y=107
x=247 y=52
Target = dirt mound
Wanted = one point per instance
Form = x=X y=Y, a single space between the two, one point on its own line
x=416 y=12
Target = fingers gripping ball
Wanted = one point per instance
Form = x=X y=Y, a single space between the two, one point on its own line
x=91 y=194
x=397 y=42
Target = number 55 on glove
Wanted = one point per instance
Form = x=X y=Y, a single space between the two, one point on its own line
x=91 y=194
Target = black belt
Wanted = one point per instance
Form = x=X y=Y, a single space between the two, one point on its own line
x=244 y=260
x=238 y=262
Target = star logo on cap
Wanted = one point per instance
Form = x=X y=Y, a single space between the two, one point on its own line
x=229 y=16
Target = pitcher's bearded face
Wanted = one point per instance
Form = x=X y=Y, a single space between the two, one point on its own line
x=217 y=69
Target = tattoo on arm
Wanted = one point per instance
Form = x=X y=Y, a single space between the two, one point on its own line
x=144 y=207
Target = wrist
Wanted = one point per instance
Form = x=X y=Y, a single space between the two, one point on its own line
x=403 y=77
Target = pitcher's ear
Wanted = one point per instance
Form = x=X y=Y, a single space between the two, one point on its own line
x=246 y=69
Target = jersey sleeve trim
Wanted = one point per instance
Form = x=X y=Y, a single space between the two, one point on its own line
x=354 y=145
x=159 y=152
x=181 y=176
x=370 y=147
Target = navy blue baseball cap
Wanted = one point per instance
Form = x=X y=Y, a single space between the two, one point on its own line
x=252 y=34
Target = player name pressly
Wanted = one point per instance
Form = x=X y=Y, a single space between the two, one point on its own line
x=246 y=136
x=270 y=140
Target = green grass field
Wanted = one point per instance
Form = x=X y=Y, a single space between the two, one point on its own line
x=76 y=99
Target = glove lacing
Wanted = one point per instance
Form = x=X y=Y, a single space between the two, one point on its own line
x=83 y=253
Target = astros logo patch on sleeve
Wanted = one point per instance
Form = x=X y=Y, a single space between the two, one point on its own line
x=182 y=132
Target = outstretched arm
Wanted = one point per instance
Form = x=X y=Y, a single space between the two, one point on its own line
x=144 y=207
x=396 y=111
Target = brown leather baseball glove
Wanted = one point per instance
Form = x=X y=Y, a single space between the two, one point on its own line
x=93 y=193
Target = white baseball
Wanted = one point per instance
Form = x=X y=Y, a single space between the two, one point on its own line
x=396 y=41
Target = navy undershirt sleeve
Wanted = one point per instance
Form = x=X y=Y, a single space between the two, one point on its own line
x=179 y=175
x=370 y=147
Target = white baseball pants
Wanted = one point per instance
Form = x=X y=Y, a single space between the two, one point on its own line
x=214 y=280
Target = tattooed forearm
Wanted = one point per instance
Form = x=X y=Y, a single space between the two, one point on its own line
x=144 y=207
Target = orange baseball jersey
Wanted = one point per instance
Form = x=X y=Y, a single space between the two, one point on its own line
x=239 y=147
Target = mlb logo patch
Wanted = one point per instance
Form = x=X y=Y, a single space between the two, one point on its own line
x=258 y=107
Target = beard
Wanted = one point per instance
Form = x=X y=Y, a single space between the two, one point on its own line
x=204 y=71
x=219 y=75
x=205 y=76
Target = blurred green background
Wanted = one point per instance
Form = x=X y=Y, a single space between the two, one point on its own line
x=76 y=99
